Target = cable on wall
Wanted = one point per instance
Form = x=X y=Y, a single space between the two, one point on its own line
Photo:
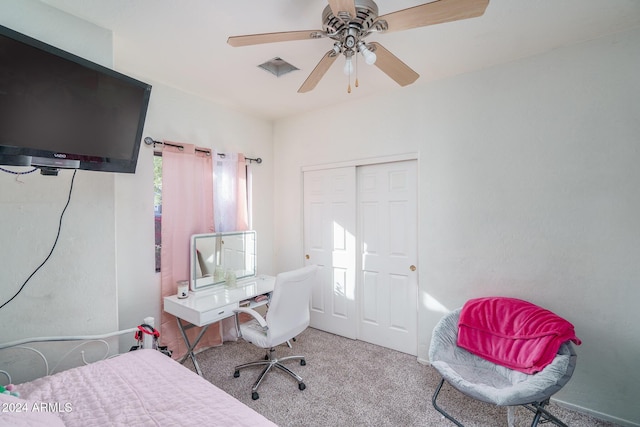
x=18 y=173
x=52 y=248
x=150 y=141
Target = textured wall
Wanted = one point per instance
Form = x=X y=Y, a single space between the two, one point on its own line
x=75 y=292
x=527 y=188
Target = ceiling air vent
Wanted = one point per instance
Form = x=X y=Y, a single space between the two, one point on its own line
x=277 y=66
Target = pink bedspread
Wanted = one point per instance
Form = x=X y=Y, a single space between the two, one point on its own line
x=512 y=332
x=140 y=388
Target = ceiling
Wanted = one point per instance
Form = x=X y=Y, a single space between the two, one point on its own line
x=184 y=44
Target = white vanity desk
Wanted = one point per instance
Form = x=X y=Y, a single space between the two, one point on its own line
x=205 y=307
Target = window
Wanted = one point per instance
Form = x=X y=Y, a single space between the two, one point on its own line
x=157 y=204
x=231 y=189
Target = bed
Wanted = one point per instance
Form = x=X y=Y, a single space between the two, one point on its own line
x=141 y=388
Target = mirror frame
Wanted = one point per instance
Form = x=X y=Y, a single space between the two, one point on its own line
x=202 y=282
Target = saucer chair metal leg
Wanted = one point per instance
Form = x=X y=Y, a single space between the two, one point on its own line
x=542 y=414
x=439 y=409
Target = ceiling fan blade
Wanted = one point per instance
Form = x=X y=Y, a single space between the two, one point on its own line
x=436 y=12
x=252 y=39
x=393 y=67
x=316 y=75
x=338 y=6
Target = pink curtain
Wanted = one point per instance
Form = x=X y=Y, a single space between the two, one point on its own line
x=187 y=208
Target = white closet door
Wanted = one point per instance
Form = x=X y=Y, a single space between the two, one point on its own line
x=387 y=239
x=330 y=243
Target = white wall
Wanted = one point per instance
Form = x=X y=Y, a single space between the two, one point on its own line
x=102 y=275
x=528 y=187
x=82 y=267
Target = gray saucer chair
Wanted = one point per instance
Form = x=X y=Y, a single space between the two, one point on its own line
x=287 y=317
x=483 y=380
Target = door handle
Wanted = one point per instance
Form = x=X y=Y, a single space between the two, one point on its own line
x=307 y=256
x=412 y=268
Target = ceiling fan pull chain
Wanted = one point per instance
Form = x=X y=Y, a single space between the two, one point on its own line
x=357 y=71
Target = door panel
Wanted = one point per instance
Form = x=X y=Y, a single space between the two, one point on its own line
x=369 y=299
x=387 y=224
x=329 y=241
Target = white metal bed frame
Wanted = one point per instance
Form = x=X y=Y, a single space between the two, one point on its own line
x=147 y=342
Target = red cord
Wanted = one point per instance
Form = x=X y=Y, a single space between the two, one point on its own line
x=145 y=329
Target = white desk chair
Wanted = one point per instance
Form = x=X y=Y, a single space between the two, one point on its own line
x=288 y=316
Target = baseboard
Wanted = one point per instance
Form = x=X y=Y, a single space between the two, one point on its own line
x=595 y=414
x=424 y=361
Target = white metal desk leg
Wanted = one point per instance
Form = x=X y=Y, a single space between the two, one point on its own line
x=190 y=346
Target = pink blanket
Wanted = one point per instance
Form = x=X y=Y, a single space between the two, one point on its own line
x=140 y=388
x=512 y=333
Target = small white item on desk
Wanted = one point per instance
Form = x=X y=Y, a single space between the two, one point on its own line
x=183 y=288
x=218 y=274
x=231 y=278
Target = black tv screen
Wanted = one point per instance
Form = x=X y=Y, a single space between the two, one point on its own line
x=58 y=110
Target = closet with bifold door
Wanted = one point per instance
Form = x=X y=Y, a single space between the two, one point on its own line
x=360 y=228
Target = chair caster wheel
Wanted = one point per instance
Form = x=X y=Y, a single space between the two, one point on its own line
x=301 y=386
x=255 y=395
x=303 y=362
x=236 y=374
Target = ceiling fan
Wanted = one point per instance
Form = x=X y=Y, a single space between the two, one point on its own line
x=349 y=22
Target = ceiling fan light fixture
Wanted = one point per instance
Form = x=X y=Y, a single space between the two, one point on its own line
x=348 y=66
x=369 y=57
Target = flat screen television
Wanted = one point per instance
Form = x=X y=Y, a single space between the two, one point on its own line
x=58 y=110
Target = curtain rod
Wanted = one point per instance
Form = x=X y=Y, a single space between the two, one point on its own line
x=150 y=141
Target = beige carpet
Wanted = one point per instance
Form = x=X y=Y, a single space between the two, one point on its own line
x=353 y=383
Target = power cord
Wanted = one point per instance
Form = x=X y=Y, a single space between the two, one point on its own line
x=52 y=248
x=18 y=173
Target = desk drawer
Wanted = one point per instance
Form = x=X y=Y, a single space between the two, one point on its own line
x=218 y=314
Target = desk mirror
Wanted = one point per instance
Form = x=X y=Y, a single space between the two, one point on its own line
x=213 y=255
